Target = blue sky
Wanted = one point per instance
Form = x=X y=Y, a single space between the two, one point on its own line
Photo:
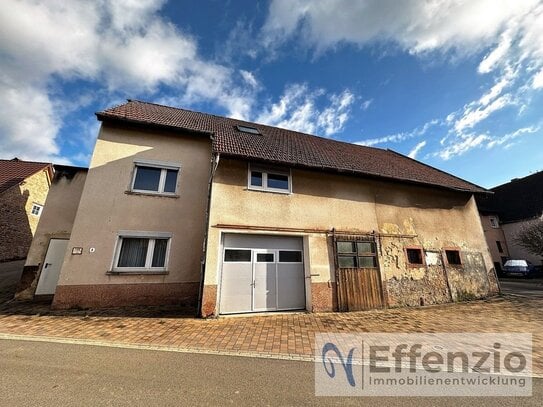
x=455 y=84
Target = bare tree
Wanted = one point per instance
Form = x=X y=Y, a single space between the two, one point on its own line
x=531 y=238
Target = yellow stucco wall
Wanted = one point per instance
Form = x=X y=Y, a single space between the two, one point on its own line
x=322 y=201
x=106 y=208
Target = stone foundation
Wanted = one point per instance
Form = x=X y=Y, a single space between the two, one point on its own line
x=125 y=295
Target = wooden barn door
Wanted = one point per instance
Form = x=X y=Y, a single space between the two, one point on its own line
x=357 y=274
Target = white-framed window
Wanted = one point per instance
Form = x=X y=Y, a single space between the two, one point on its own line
x=142 y=251
x=36 y=209
x=155 y=177
x=494 y=222
x=268 y=179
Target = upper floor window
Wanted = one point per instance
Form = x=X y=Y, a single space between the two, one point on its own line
x=155 y=177
x=36 y=209
x=494 y=222
x=266 y=179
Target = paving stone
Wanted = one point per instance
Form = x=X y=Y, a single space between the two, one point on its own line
x=272 y=335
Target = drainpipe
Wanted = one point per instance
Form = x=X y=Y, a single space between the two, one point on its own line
x=214 y=164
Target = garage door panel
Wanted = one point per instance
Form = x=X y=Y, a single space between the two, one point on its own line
x=290 y=286
x=265 y=291
x=236 y=288
x=262 y=273
x=263 y=242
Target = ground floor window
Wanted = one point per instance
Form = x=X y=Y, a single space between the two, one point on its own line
x=453 y=257
x=142 y=252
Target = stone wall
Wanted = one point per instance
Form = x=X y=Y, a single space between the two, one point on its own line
x=17 y=223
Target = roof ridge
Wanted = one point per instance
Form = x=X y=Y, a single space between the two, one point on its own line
x=436 y=169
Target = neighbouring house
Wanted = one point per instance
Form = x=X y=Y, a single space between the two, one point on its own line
x=513 y=206
x=495 y=237
x=46 y=254
x=24 y=186
x=233 y=217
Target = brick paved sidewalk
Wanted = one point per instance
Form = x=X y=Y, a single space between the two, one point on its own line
x=275 y=335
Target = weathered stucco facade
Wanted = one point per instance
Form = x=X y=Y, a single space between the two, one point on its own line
x=401 y=216
x=56 y=222
x=108 y=206
x=17 y=222
x=170 y=214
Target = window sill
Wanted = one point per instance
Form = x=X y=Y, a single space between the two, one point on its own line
x=271 y=191
x=159 y=194
x=137 y=272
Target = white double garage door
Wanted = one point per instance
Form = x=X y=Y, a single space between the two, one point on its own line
x=261 y=273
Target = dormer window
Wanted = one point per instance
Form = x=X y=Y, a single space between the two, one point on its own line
x=247 y=129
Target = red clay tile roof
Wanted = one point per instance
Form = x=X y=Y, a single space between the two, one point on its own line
x=15 y=171
x=286 y=146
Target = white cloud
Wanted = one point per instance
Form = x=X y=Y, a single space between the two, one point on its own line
x=471 y=117
x=366 y=104
x=462 y=144
x=508 y=138
x=417 y=26
x=117 y=45
x=537 y=81
x=249 y=78
x=399 y=137
x=509 y=32
x=413 y=153
x=298 y=109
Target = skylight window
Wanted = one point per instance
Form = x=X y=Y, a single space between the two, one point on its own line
x=246 y=129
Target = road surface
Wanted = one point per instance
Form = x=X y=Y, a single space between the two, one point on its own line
x=53 y=374
x=530 y=288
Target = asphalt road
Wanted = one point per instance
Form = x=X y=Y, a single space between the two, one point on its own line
x=52 y=374
x=530 y=288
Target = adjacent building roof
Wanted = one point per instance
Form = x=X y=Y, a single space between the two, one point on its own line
x=519 y=199
x=287 y=147
x=15 y=171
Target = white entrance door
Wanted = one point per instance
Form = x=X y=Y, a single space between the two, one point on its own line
x=50 y=272
x=262 y=273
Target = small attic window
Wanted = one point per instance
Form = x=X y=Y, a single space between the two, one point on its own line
x=246 y=129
